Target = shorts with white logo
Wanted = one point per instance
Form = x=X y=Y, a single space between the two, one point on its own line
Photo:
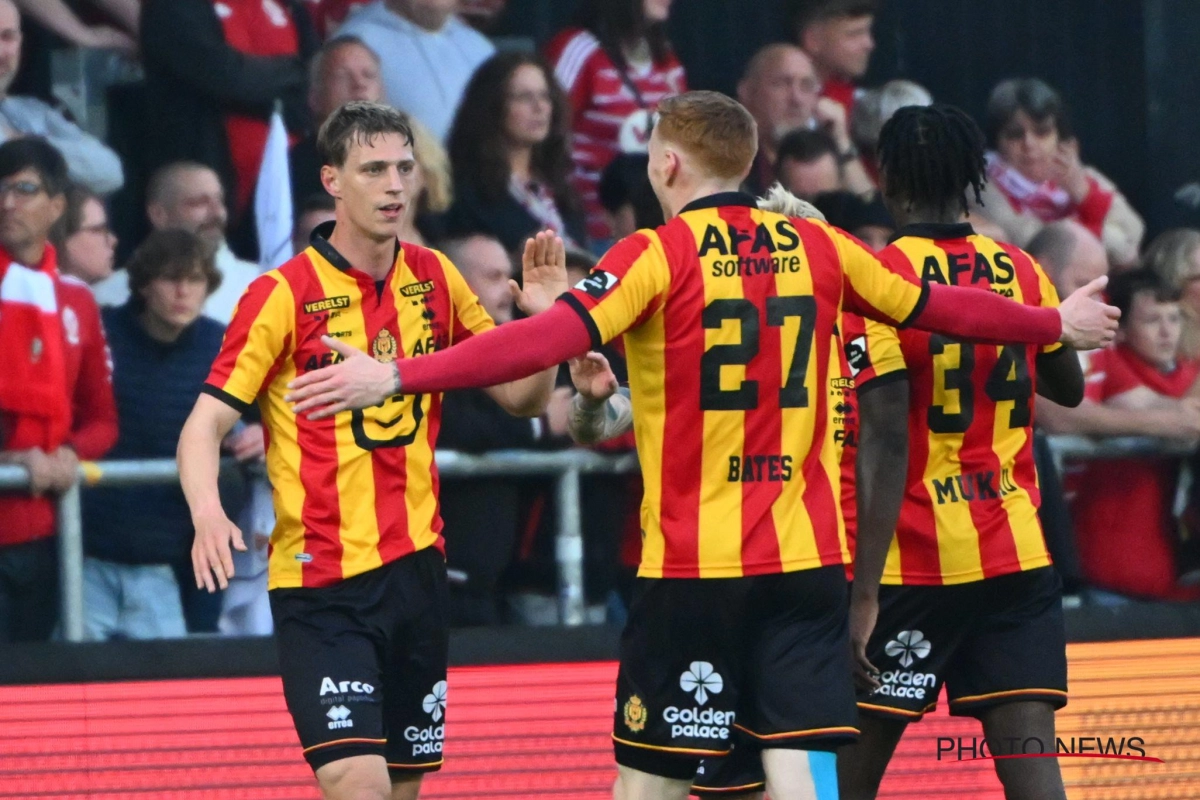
x=765 y=656
x=364 y=664
x=993 y=641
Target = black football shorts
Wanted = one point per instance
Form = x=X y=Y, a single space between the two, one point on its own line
x=764 y=656
x=364 y=664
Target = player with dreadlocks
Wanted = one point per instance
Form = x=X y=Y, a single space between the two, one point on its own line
x=969 y=597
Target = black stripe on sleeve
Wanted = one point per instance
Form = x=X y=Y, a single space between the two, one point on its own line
x=918 y=308
x=577 y=305
x=225 y=397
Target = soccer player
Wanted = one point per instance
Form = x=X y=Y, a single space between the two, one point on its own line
x=739 y=617
x=356 y=572
x=969 y=596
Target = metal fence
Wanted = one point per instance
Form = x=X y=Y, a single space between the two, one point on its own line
x=564 y=467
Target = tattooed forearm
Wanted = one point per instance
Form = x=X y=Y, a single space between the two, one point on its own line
x=597 y=422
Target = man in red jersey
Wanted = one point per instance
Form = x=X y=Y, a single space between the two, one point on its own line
x=727 y=311
x=969 y=596
x=356 y=570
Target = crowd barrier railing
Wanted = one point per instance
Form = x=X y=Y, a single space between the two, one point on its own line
x=565 y=467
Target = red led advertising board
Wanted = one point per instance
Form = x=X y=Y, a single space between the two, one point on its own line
x=542 y=731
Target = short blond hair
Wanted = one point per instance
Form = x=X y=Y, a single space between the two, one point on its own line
x=713 y=128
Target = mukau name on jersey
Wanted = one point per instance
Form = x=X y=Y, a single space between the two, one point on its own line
x=974 y=486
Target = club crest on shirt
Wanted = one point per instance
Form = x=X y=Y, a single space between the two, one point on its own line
x=636 y=714
x=384 y=346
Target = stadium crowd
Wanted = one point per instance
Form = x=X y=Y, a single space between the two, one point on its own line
x=508 y=143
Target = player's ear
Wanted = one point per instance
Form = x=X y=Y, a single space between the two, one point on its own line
x=331 y=180
x=674 y=167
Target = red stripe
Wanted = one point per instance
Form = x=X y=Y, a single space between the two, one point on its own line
x=389 y=464
x=683 y=422
x=916 y=530
x=763 y=424
x=821 y=498
x=320 y=514
x=977 y=456
x=1025 y=468
x=238 y=332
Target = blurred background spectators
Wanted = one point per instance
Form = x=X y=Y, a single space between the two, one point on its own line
x=157 y=112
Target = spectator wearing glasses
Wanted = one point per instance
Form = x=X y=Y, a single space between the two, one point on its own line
x=35 y=410
x=510 y=156
x=85 y=244
x=615 y=65
x=1035 y=175
x=89 y=161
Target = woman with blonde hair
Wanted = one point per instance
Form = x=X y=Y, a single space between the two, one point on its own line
x=1174 y=256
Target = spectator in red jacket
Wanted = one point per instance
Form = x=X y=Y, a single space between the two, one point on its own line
x=615 y=67
x=34 y=396
x=1124 y=520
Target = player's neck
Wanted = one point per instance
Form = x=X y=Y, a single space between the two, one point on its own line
x=916 y=216
x=363 y=252
x=680 y=199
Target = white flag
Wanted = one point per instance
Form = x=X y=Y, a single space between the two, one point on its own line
x=273 y=199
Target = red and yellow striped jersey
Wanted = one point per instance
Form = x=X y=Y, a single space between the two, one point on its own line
x=358 y=490
x=970 y=506
x=728 y=317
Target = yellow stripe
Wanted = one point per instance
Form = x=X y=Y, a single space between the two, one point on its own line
x=437 y=763
x=903 y=712
x=671 y=749
x=645 y=350
x=798 y=734
x=344 y=741
x=793 y=523
x=748 y=787
x=1012 y=693
x=419 y=498
x=720 y=514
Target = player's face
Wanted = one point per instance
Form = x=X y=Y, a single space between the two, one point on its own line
x=375 y=185
x=1153 y=330
x=88 y=253
x=656 y=10
x=528 y=109
x=1030 y=146
x=784 y=96
x=350 y=73
x=843 y=45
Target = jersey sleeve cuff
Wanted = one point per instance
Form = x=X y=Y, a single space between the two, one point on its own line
x=238 y=405
x=577 y=306
x=918 y=308
x=880 y=380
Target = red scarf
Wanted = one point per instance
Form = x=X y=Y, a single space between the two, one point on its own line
x=1048 y=201
x=35 y=409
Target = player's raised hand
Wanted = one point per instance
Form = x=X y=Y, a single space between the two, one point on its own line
x=211 y=556
x=358 y=381
x=1087 y=321
x=593 y=377
x=543 y=273
x=864 y=611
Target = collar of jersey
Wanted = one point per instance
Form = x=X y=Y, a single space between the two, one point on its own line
x=721 y=199
x=935 y=230
x=319 y=240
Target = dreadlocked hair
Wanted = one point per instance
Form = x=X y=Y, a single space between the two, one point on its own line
x=930 y=155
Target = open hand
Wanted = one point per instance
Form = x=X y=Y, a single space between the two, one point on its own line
x=1087 y=322
x=593 y=377
x=212 y=559
x=543 y=273
x=358 y=381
